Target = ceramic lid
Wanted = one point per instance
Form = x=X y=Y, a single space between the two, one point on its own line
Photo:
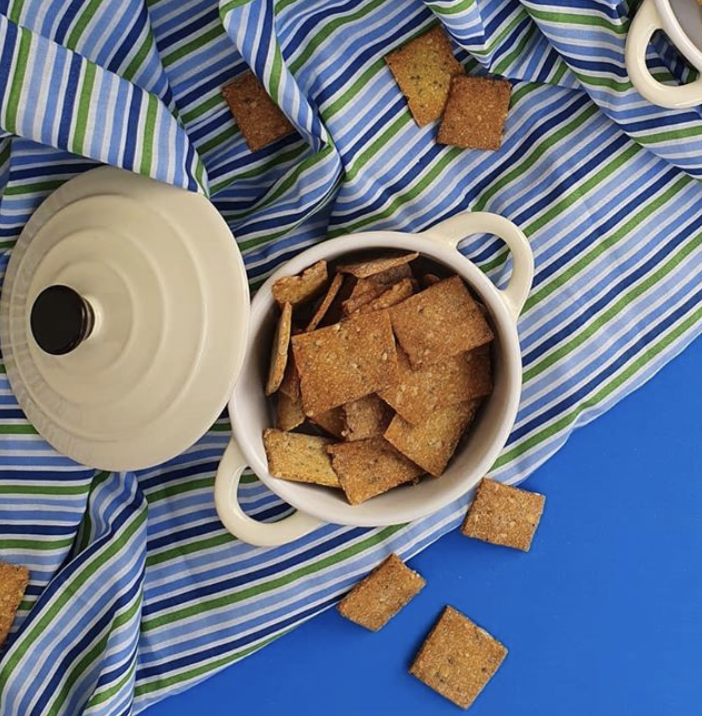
x=123 y=319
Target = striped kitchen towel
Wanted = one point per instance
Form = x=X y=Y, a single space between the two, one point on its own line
x=136 y=590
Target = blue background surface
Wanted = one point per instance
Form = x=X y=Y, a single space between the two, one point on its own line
x=603 y=616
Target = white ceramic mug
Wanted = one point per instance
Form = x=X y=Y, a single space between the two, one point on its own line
x=682 y=22
x=251 y=413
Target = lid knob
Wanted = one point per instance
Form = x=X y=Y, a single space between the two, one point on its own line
x=61 y=320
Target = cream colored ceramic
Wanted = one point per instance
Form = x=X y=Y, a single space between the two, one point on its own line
x=250 y=411
x=682 y=22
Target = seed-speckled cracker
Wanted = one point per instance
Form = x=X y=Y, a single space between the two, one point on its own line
x=345 y=361
x=367 y=468
x=279 y=351
x=439 y=322
x=289 y=412
x=431 y=443
x=332 y=421
x=13 y=582
x=504 y=515
x=300 y=458
x=260 y=119
x=397 y=293
x=366 y=418
x=423 y=69
x=326 y=302
x=381 y=595
x=302 y=288
x=475 y=113
x=421 y=392
x=365 y=291
x=458 y=658
x=372 y=267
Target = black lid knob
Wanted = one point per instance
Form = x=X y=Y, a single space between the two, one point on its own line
x=61 y=320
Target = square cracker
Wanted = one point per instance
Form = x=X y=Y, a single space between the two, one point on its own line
x=279 y=350
x=475 y=113
x=381 y=595
x=367 y=468
x=423 y=69
x=397 y=293
x=300 y=458
x=332 y=421
x=289 y=412
x=431 y=443
x=458 y=658
x=299 y=289
x=373 y=267
x=504 y=515
x=439 y=322
x=421 y=392
x=366 y=418
x=326 y=302
x=260 y=119
x=345 y=361
x=13 y=583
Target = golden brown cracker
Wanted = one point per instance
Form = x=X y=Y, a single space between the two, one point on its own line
x=332 y=421
x=397 y=293
x=300 y=458
x=366 y=418
x=289 y=412
x=439 y=322
x=423 y=69
x=260 y=119
x=299 y=289
x=504 y=515
x=381 y=595
x=13 y=583
x=431 y=443
x=365 y=291
x=279 y=351
x=345 y=361
x=373 y=267
x=326 y=302
x=475 y=113
x=458 y=658
x=290 y=384
x=367 y=468
x=421 y=392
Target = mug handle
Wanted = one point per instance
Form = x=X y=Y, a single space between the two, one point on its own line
x=646 y=21
x=238 y=523
x=455 y=229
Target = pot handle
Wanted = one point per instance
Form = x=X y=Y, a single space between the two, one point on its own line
x=238 y=523
x=644 y=24
x=454 y=230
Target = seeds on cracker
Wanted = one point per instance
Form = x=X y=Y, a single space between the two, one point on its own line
x=289 y=412
x=367 y=468
x=279 y=352
x=13 y=583
x=299 y=289
x=504 y=515
x=475 y=113
x=421 y=392
x=381 y=595
x=331 y=421
x=439 y=322
x=260 y=119
x=397 y=293
x=431 y=443
x=372 y=267
x=423 y=69
x=366 y=418
x=458 y=658
x=345 y=361
x=300 y=458
x=326 y=302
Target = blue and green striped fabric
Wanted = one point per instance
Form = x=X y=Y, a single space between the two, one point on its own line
x=136 y=590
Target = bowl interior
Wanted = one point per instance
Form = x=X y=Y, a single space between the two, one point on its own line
x=251 y=412
x=689 y=16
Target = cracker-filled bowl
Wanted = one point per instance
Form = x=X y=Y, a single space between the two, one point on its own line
x=252 y=413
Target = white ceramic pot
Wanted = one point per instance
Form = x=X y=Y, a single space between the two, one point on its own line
x=250 y=411
x=682 y=22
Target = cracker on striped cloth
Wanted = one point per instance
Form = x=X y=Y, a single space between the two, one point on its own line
x=13 y=583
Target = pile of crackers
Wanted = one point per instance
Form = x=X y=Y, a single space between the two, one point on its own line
x=458 y=658
x=378 y=368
